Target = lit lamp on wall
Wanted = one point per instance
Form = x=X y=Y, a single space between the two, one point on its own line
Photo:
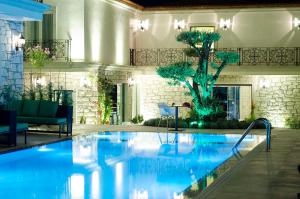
x=84 y=82
x=40 y=81
x=131 y=81
x=225 y=24
x=20 y=42
x=297 y=23
x=179 y=25
x=142 y=25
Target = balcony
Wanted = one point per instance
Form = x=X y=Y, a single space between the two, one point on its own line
x=60 y=49
x=285 y=56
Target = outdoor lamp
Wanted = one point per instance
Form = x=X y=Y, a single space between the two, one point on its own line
x=297 y=23
x=142 y=25
x=225 y=23
x=20 y=42
x=179 y=25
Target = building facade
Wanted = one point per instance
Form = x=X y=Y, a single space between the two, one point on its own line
x=102 y=32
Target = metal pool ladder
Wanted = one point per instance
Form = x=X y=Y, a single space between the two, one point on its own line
x=267 y=124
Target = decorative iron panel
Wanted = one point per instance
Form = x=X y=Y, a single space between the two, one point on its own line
x=248 y=56
x=60 y=50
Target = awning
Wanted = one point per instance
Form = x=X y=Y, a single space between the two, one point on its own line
x=22 y=10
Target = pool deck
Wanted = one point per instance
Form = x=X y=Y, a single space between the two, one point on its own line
x=260 y=175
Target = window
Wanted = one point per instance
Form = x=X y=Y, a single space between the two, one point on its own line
x=235 y=100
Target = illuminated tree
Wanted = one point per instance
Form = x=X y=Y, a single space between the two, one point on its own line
x=198 y=79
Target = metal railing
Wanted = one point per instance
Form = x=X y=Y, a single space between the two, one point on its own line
x=248 y=56
x=60 y=50
x=268 y=133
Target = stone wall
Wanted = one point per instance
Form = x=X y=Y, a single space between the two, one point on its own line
x=83 y=84
x=11 y=61
x=274 y=97
x=154 y=90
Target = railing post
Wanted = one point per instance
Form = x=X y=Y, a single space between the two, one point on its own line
x=132 y=56
x=240 y=54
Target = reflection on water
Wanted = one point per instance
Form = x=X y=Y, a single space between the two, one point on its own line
x=118 y=165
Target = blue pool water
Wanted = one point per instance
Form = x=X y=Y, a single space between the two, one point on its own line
x=115 y=165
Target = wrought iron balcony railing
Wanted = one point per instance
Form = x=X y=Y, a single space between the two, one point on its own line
x=248 y=56
x=60 y=50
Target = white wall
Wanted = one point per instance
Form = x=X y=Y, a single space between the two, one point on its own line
x=250 y=27
x=107 y=32
x=99 y=29
x=70 y=24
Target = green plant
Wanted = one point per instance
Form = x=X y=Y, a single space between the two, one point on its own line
x=104 y=99
x=7 y=94
x=292 y=122
x=181 y=73
x=67 y=98
x=137 y=119
x=50 y=91
x=37 y=56
x=40 y=91
x=163 y=123
x=82 y=119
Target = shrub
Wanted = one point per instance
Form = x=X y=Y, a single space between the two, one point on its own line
x=154 y=122
x=293 y=123
x=137 y=119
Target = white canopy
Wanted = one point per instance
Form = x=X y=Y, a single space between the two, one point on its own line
x=22 y=10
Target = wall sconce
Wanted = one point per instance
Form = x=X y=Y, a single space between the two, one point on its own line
x=225 y=24
x=84 y=82
x=40 y=81
x=20 y=42
x=297 y=23
x=264 y=83
x=142 y=25
x=131 y=81
x=179 y=25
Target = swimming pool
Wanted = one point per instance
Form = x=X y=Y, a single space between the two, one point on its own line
x=111 y=165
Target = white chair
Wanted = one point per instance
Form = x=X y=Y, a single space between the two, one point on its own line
x=166 y=112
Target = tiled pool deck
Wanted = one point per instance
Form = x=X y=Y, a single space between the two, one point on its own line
x=261 y=175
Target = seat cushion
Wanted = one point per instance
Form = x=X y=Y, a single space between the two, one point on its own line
x=22 y=127
x=41 y=120
x=48 y=109
x=4 y=129
x=16 y=105
x=30 y=108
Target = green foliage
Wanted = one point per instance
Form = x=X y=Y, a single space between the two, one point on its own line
x=82 y=120
x=202 y=82
x=178 y=72
x=105 y=87
x=220 y=123
x=40 y=91
x=154 y=122
x=137 y=119
x=292 y=122
x=194 y=38
x=38 y=56
x=67 y=98
x=50 y=91
x=7 y=94
x=229 y=57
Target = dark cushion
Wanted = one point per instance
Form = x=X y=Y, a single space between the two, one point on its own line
x=30 y=108
x=41 y=120
x=48 y=109
x=16 y=105
x=4 y=129
x=22 y=127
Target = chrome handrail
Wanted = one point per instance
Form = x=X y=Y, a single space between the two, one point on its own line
x=267 y=124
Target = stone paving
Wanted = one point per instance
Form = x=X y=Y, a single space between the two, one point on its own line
x=260 y=175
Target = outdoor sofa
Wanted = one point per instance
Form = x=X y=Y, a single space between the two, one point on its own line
x=42 y=112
